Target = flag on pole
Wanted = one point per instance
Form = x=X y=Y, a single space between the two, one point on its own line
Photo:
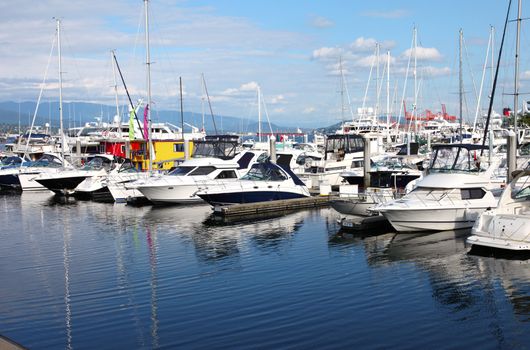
x=131 y=125
x=146 y=123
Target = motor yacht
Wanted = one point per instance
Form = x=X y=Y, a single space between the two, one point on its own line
x=265 y=181
x=64 y=182
x=455 y=191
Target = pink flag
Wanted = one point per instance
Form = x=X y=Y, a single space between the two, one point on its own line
x=146 y=123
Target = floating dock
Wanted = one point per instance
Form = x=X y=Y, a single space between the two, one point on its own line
x=271 y=206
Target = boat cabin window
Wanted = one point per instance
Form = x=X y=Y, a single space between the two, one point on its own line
x=472 y=193
x=181 y=170
x=227 y=174
x=202 y=170
x=178 y=147
x=357 y=164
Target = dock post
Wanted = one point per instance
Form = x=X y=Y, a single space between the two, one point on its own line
x=128 y=149
x=511 y=154
x=367 y=158
x=272 y=148
x=186 y=145
x=78 y=151
x=429 y=141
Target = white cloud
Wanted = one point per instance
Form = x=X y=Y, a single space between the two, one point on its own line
x=279 y=110
x=277 y=100
x=424 y=53
x=309 y=110
x=326 y=53
x=430 y=71
x=321 y=22
x=386 y=14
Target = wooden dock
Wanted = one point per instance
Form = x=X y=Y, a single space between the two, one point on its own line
x=8 y=344
x=271 y=206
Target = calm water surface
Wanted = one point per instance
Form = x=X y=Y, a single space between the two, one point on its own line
x=85 y=275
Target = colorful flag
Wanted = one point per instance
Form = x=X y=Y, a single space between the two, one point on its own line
x=131 y=125
x=146 y=123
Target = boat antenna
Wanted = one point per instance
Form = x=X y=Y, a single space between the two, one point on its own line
x=490 y=107
x=128 y=95
x=181 y=109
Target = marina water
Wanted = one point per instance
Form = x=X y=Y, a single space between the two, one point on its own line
x=86 y=275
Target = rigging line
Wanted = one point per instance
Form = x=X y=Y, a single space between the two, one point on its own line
x=65 y=37
x=405 y=85
x=43 y=85
x=470 y=70
x=495 y=79
x=266 y=112
x=209 y=103
x=490 y=42
x=368 y=85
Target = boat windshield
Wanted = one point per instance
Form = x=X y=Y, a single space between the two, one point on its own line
x=47 y=161
x=98 y=163
x=181 y=170
x=264 y=172
x=456 y=158
x=521 y=188
x=127 y=167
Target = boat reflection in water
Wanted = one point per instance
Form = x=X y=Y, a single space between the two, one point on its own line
x=215 y=238
x=461 y=278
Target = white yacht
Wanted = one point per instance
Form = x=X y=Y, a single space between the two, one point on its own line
x=65 y=181
x=96 y=187
x=265 y=181
x=49 y=163
x=508 y=225
x=455 y=191
x=181 y=184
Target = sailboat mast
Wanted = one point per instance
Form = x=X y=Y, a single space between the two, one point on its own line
x=58 y=22
x=516 y=92
x=388 y=95
x=115 y=86
x=341 y=91
x=460 y=81
x=259 y=114
x=181 y=110
x=148 y=64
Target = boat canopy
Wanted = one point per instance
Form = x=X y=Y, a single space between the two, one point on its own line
x=218 y=146
x=457 y=158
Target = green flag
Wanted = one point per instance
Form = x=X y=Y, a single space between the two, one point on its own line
x=131 y=125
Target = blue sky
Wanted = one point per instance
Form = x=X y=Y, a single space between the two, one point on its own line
x=290 y=49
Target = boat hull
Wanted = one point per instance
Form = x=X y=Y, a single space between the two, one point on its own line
x=432 y=219
x=10 y=181
x=229 y=198
x=352 y=207
x=171 y=194
x=502 y=231
x=62 y=185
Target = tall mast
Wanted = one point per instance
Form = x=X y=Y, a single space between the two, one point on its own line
x=388 y=93
x=115 y=86
x=341 y=91
x=377 y=48
x=259 y=114
x=202 y=101
x=181 y=110
x=148 y=64
x=460 y=81
x=516 y=92
x=414 y=72
x=58 y=22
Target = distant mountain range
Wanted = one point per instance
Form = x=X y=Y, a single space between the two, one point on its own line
x=79 y=113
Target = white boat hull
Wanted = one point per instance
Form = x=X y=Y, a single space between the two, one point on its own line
x=502 y=231
x=432 y=219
